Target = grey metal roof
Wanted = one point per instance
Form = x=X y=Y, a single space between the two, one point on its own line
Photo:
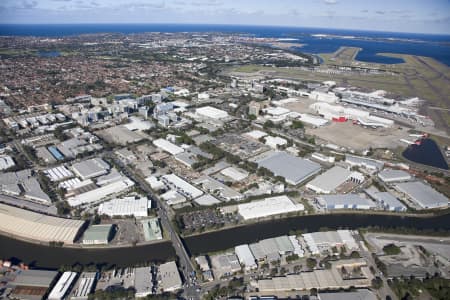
x=331 y=179
x=345 y=199
x=392 y=175
x=423 y=194
x=37 y=278
x=364 y=161
x=388 y=200
x=91 y=167
x=357 y=295
x=292 y=168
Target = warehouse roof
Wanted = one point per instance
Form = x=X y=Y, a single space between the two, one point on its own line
x=37 y=278
x=423 y=194
x=31 y=225
x=347 y=200
x=212 y=112
x=266 y=247
x=62 y=286
x=255 y=134
x=168 y=146
x=292 y=168
x=365 y=162
x=387 y=199
x=58 y=173
x=90 y=168
x=182 y=186
x=330 y=180
x=245 y=256
x=236 y=174
x=101 y=192
x=6 y=162
x=267 y=207
x=152 y=229
x=218 y=188
x=390 y=175
x=126 y=207
x=206 y=200
x=98 y=232
x=355 y=295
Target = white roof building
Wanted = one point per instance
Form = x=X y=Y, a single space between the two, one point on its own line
x=173 y=197
x=168 y=146
x=276 y=111
x=268 y=207
x=245 y=257
x=368 y=163
x=128 y=206
x=321 y=241
x=327 y=182
x=206 y=200
x=84 y=287
x=6 y=162
x=255 y=134
x=181 y=186
x=62 y=286
x=275 y=141
x=234 y=173
x=312 y=120
x=100 y=193
x=211 y=112
x=58 y=173
x=154 y=182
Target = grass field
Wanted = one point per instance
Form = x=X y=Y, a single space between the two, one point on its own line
x=418 y=76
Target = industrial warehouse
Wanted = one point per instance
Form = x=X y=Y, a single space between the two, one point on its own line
x=268 y=207
x=128 y=206
x=344 y=201
x=294 y=169
x=38 y=227
x=422 y=194
x=329 y=181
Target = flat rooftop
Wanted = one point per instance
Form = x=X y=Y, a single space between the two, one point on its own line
x=327 y=182
x=292 y=168
x=423 y=194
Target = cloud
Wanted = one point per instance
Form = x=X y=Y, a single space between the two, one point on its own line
x=365 y=11
x=158 y=4
x=331 y=2
x=207 y=3
x=25 y=4
x=380 y=12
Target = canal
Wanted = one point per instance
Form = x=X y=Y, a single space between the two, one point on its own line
x=53 y=257
x=226 y=239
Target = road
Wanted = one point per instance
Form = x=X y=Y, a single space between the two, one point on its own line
x=385 y=290
x=186 y=265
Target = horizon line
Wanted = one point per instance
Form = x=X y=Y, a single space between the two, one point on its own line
x=223 y=24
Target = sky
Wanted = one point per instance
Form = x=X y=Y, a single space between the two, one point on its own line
x=420 y=16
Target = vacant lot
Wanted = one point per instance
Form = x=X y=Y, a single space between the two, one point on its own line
x=359 y=138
